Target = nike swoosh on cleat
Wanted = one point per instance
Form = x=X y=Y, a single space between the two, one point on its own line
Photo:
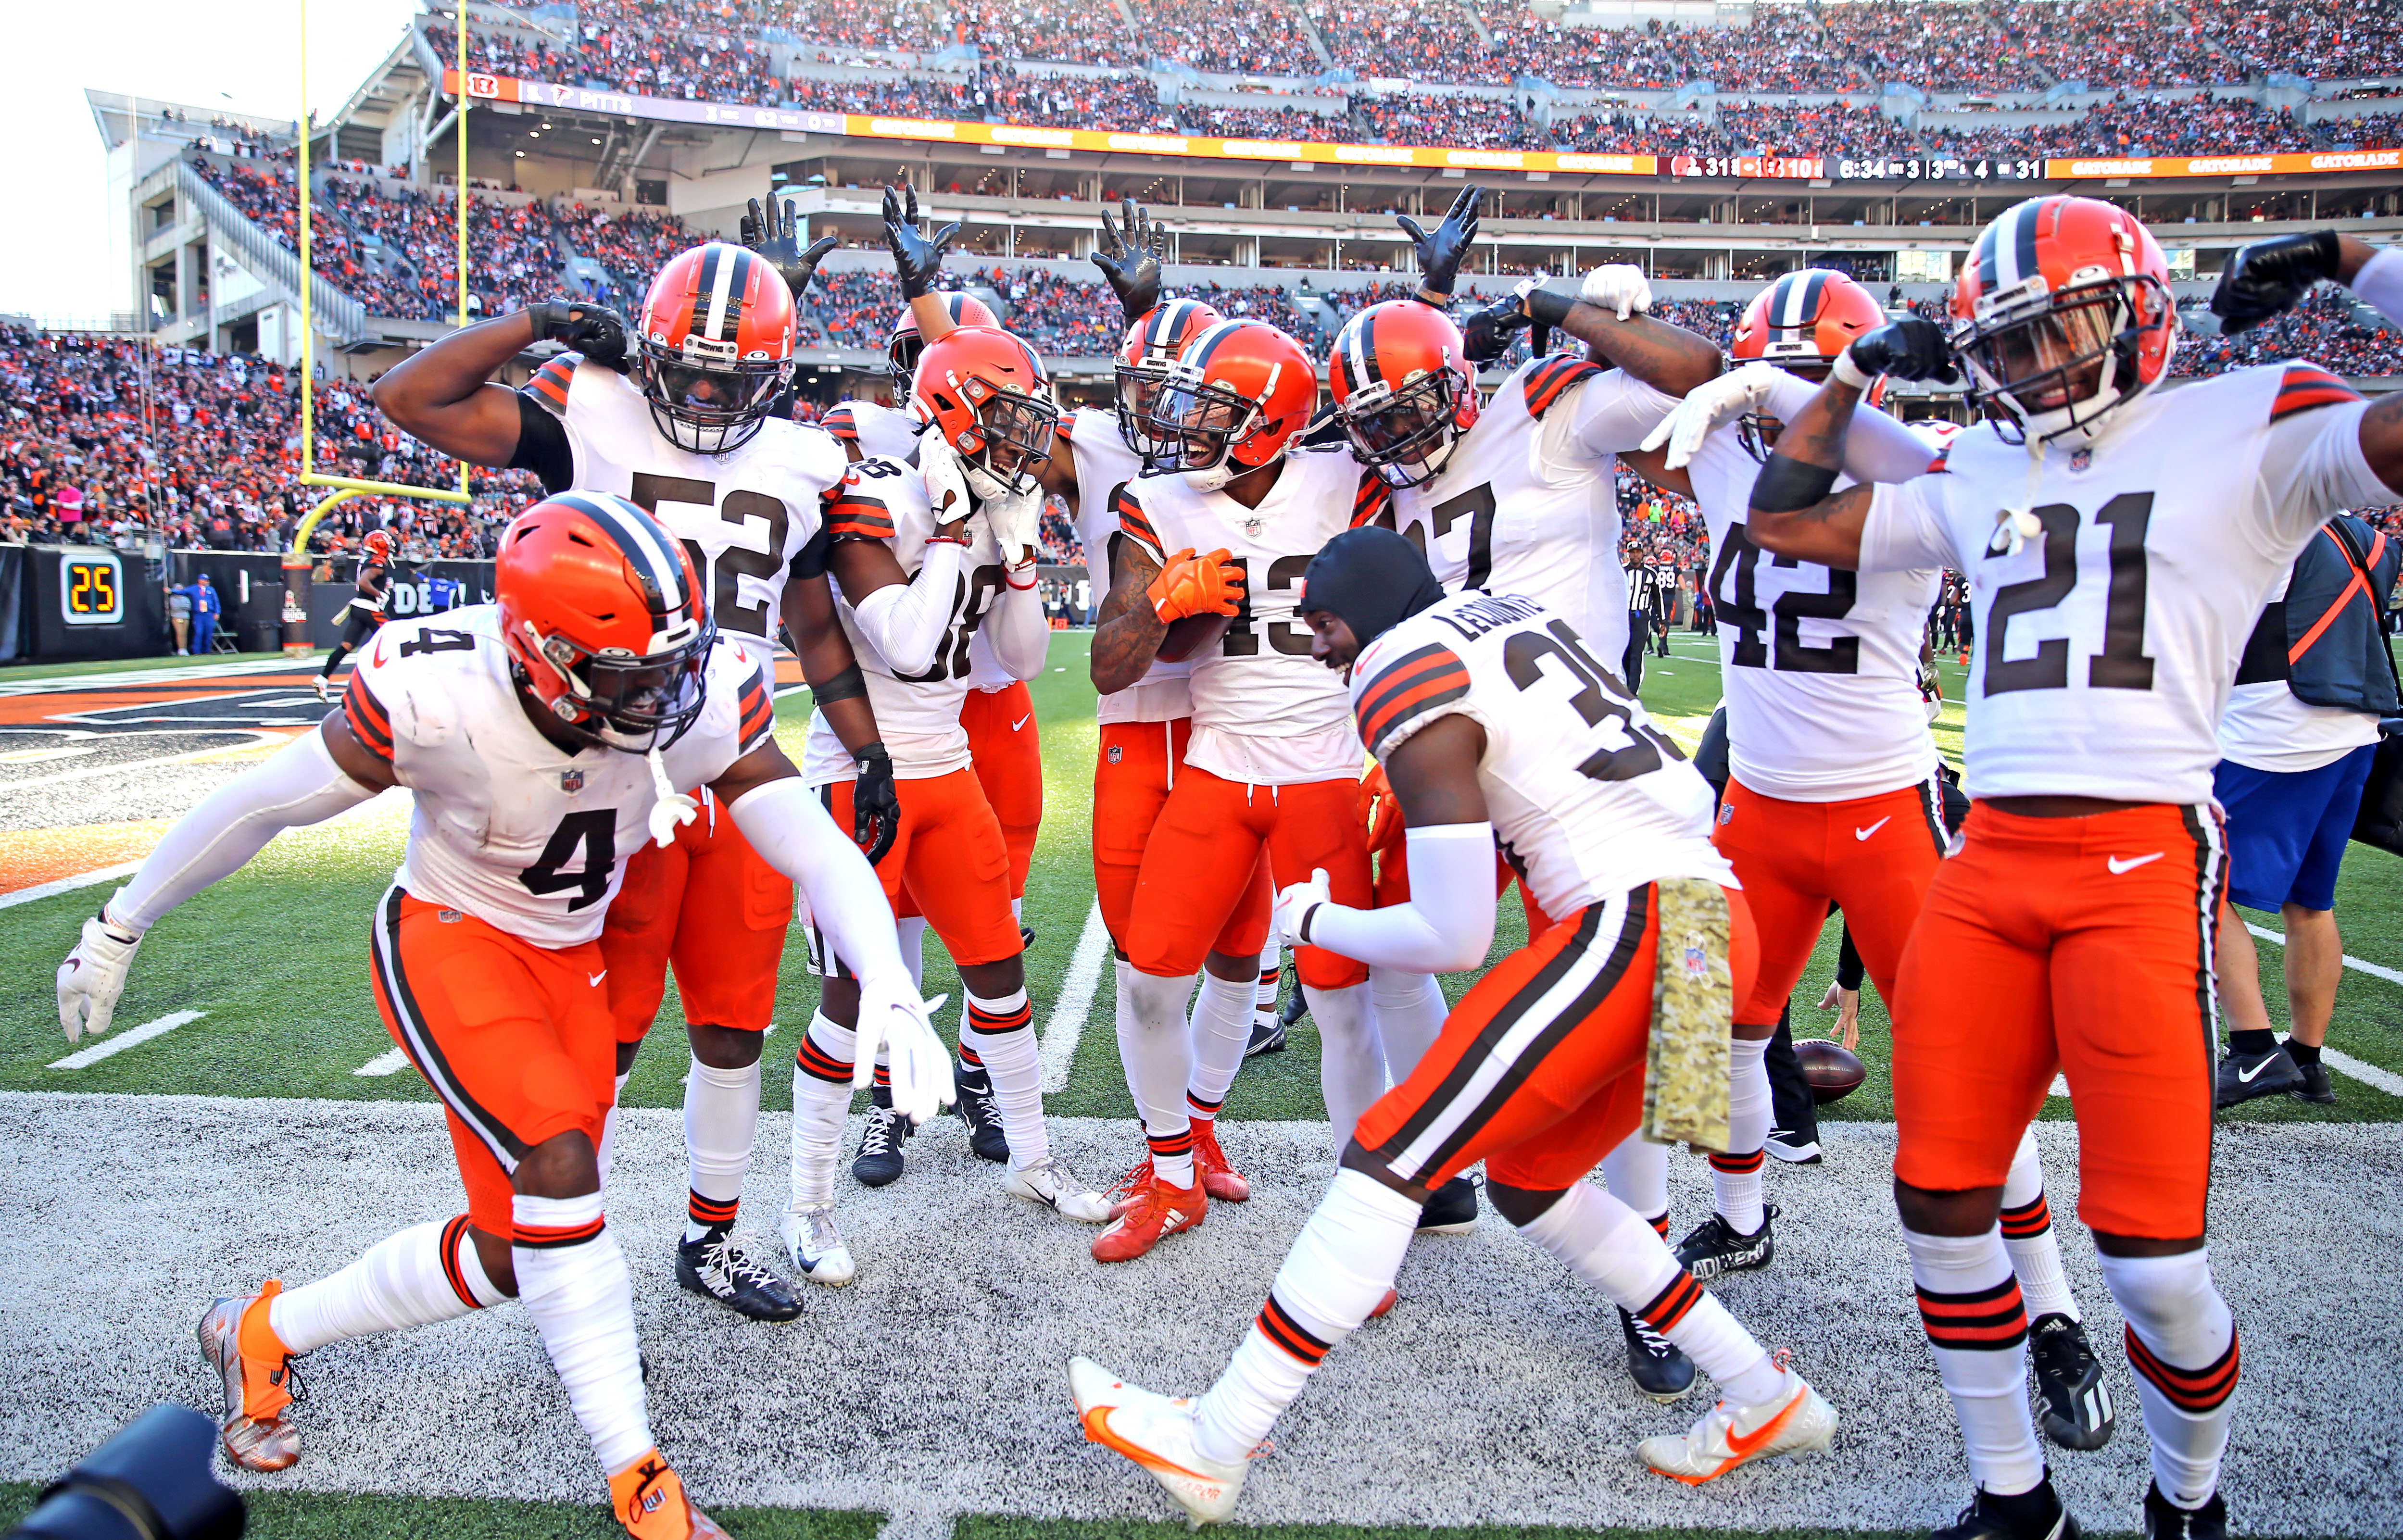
x=1021 y=721
x=2119 y=867
x=1098 y=1430
x=1863 y=834
x=2248 y=1077
x=1742 y=1448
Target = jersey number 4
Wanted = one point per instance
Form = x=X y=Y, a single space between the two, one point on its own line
x=689 y=510
x=1735 y=579
x=2121 y=665
x=1600 y=698
x=591 y=835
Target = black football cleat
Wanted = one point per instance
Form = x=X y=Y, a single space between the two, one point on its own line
x=1451 y=1209
x=2037 y=1514
x=1714 y=1248
x=2314 y=1088
x=2166 y=1521
x=1297 y=1004
x=1658 y=1366
x=1267 y=1036
x=2243 y=1077
x=2074 y=1403
x=1026 y=938
x=879 y=1162
x=977 y=1109
x=715 y=1267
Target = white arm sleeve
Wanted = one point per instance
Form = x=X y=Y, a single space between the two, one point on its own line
x=1876 y=446
x=906 y=622
x=1606 y=415
x=1020 y=633
x=1448 y=924
x=792 y=833
x=300 y=784
x=1906 y=529
x=2379 y=284
x=2311 y=468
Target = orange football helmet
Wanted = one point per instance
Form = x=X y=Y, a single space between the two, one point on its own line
x=604 y=618
x=1405 y=391
x=2062 y=313
x=1802 y=322
x=715 y=335
x=1235 y=399
x=987 y=394
x=1152 y=344
x=902 y=350
x=376 y=549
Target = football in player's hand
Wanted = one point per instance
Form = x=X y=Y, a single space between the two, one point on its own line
x=1833 y=1071
x=1193 y=635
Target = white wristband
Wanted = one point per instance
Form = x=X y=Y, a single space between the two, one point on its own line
x=2379 y=284
x=1849 y=374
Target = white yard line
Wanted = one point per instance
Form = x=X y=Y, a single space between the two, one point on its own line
x=2345 y=1063
x=88 y=773
x=1075 y=1002
x=108 y=1046
x=392 y=1062
x=68 y=884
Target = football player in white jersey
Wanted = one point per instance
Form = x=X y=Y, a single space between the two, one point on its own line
x=690 y=436
x=2118 y=541
x=1493 y=721
x=545 y=737
x=919 y=573
x=1832 y=794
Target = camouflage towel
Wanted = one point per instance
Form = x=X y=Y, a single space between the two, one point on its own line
x=1693 y=1000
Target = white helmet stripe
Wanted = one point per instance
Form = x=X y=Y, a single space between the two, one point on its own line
x=720 y=289
x=642 y=541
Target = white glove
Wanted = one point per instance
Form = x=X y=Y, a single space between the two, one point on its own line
x=947 y=487
x=1293 y=906
x=1617 y=288
x=1707 y=406
x=92 y=977
x=673 y=809
x=892 y=1019
x=1016 y=521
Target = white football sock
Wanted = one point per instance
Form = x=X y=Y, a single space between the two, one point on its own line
x=1338 y=1268
x=1977 y=1324
x=573 y=1280
x=1001 y=1032
x=1612 y=1247
x=2028 y=1234
x=404 y=1280
x=1350 y=1063
x=1411 y=1011
x=1221 y=1029
x=1264 y=1008
x=1017 y=911
x=913 y=936
x=822 y=1070
x=1735 y=1175
x=1155 y=1047
x=609 y=1130
x=2182 y=1344
x=1638 y=1174
x=721 y=1119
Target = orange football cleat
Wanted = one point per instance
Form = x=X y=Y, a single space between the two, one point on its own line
x=1221 y=1180
x=648 y=1498
x=1385 y=1305
x=1158 y=1210
x=255 y=1368
x=1123 y=1193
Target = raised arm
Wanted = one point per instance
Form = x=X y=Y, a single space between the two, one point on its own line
x=1608 y=315
x=2268 y=278
x=1795 y=511
x=444 y=394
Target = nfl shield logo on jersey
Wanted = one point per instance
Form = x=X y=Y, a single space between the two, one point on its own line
x=571 y=781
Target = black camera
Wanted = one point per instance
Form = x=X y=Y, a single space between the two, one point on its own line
x=152 y=1481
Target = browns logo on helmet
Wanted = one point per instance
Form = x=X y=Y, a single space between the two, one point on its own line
x=902 y=349
x=1802 y=322
x=1404 y=389
x=715 y=335
x=1235 y=399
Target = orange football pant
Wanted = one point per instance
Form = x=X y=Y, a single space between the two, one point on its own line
x=1539 y=1069
x=2082 y=945
x=1199 y=886
x=950 y=852
x=1006 y=746
x=1873 y=856
x=517 y=1040
x=1138 y=765
x=712 y=905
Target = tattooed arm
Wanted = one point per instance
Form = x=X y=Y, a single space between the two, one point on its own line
x=1128 y=635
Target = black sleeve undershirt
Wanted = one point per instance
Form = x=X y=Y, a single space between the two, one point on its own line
x=543 y=448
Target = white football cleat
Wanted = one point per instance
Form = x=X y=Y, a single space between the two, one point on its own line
x=817 y=1247
x=1156 y=1432
x=1727 y=1436
x=322 y=685
x=1050 y=1183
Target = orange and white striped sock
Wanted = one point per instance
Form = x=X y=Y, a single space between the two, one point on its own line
x=1001 y=1032
x=573 y=1280
x=2182 y=1344
x=1976 y=1321
x=426 y=1274
x=721 y=1119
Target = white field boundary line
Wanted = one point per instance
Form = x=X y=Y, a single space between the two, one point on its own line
x=258 y=737
x=1066 y=1023
x=109 y=1046
x=391 y=1062
x=62 y=684
x=68 y=884
x=2345 y=1063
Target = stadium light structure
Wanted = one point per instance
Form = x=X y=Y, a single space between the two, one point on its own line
x=295 y=560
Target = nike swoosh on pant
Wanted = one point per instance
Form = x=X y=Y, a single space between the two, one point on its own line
x=595 y=978
x=1021 y=721
x=2120 y=868
x=1863 y=834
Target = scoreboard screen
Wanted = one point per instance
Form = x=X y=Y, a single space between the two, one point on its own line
x=92 y=590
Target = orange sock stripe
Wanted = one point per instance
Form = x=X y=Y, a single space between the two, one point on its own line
x=2027 y=1221
x=550 y=1237
x=711 y=1211
x=818 y=1064
x=2193 y=1391
x=884 y=1074
x=983 y=1020
x=1286 y=1333
x=1736 y=1165
x=1671 y=1305
x=1990 y=1319
x=1169 y=1144
x=1206 y=1109
x=968 y=1056
x=1660 y=1223
x=452 y=1235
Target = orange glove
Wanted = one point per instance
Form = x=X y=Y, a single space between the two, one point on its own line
x=1191 y=585
x=1380 y=820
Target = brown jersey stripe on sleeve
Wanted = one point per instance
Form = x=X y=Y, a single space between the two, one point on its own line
x=1544 y=383
x=370 y=724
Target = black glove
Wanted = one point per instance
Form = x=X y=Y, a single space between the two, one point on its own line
x=1441 y=251
x=1912 y=348
x=596 y=331
x=875 y=805
x=1132 y=265
x=774 y=234
x=1487 y=333
x=2268 y=278
x=918 y=258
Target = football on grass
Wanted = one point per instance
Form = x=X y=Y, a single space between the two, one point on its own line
x=1192 y=635
x=1833 y=1070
